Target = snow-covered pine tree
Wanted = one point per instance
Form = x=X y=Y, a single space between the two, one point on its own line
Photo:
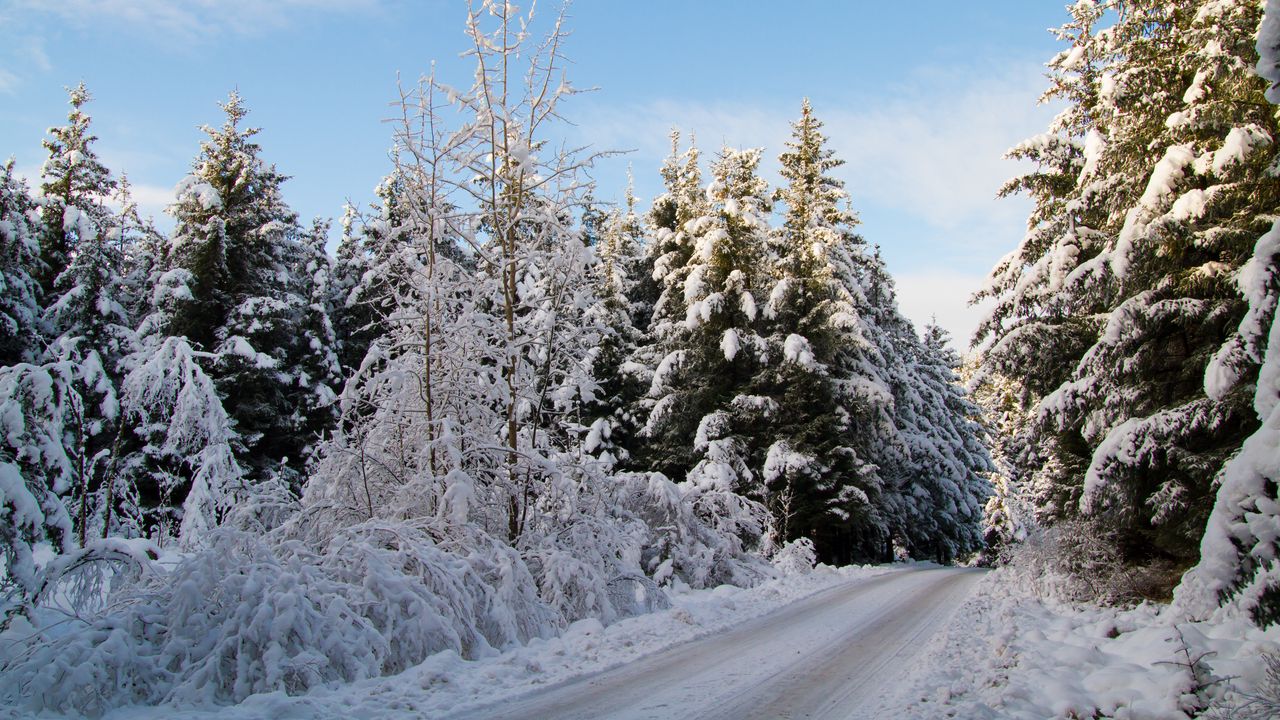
x=317 y=370
x=658 y=296
x=949 y=459
x=1035 y=333
x=88 y=327
x=19 y=258
x=614 y=424
x=244 y=261
x=833 y=409
x=36 y=473
x=1173 y=186
x=74 y=189
x=1008 y=515
x=93 y=334
x=366 y=267
x=703 y=386
x=354 y=322
x=1238 y=554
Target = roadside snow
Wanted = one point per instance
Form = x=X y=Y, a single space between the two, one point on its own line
x=446 y=683
x=1009 y=654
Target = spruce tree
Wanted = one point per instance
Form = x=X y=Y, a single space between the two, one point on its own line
x=1144 y=217
x=703 y=387
x=95 y=335
x=1237 y=565
x=614 y=424
x=19 y=288
x=248 y=275
x=832 y=408
x=949 y=457
x=74 y=188
x=669 y=249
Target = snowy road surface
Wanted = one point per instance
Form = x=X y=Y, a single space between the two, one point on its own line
x=837 y=654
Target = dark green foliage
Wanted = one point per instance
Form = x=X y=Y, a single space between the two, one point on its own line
x=19 y=289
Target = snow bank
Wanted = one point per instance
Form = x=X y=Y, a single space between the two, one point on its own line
x=447 y=683
x=1009 y=654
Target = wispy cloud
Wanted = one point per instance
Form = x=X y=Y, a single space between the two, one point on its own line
x=941 y=296
x=8 y=82
x=934 y=151
x=190 y=20
x=929 y=153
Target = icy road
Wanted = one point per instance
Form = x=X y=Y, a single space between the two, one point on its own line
x=836 y=654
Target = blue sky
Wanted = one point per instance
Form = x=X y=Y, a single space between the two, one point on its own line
x=920 y=98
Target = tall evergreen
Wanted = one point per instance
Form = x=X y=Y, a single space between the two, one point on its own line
x=669 y=249
x=949 y=458
x=19 y=287
x=703 y=387
x=249 y=278
x=1238 y=555
x=74 y=188
x=822 y=482
x=612 y=414
x=1151 y=192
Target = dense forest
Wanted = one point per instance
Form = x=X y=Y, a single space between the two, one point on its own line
x=498 y=403
x=1130 y=356
x=251 y=454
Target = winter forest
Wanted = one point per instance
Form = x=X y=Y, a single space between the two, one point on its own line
x=253 y=456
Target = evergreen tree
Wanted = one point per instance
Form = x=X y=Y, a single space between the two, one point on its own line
x=702 y=387
x=832 y=407
x=1007 y=516
x=1238 y=565
x=660 y=286
x=614 y=423
x=244 y=262
x=19 y=289
x=94 y=337
x=367 y=278
x=1145 y=212
x=36 y=473
x=74 y=188
x=947 y=450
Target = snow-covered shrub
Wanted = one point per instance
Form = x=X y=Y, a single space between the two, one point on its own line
x=250 y=615
x=584 y=566
x=1078 y=561
x=1263 y=703
x=796 y=557
x=698 y=536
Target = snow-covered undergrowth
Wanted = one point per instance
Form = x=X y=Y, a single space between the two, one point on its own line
x=342 y=631
x=1012 y=654
x=307 y=605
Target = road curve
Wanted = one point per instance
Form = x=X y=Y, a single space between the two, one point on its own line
x=830 y=656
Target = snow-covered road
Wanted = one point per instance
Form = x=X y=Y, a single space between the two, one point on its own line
x=836 y=654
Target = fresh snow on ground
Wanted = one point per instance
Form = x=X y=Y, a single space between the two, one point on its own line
x=1011 y=654
x=445 y=683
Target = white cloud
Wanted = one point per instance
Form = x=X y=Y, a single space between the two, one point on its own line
x=941 y=296
x=8 y=82
x=934 y=150
x=152 y=200
x=940 y=156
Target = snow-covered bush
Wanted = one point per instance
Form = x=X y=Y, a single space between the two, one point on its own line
x=1078 y=561
x=697 y=536
x=795 y=557
x=1263 y=703
x=250 y=615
